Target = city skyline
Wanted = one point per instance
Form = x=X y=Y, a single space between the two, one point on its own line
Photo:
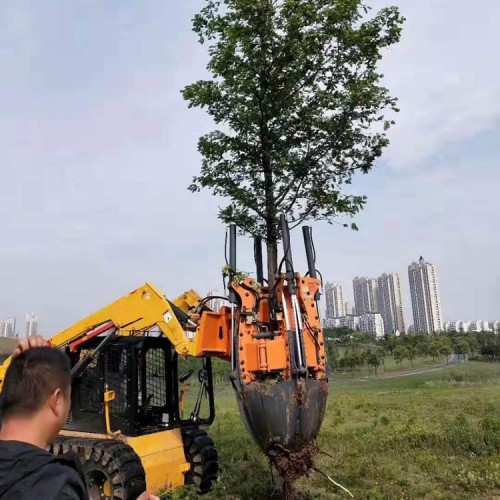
x=9 y=327
x=384 y=295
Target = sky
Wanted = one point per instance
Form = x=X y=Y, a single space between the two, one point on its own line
x=98 y=148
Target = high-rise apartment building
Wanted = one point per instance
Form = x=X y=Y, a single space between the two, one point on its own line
x=390 y=303
x=350 y=321
x=335 y=307
x=464 y=326
x=475 y=326
x=452 y=326
x=217 y=302
x=372 y=323
x=365 y=295
x=8 y=327
x=31 y=324
x=425 y=300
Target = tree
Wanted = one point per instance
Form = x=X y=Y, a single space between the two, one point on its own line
x=446 y=350
x=381 y=353
x=350 y=361
x=423 y=347
x=411 y=340
x=390 y=343
x=473 y=343
x=340 y=333
x=373 y=361
x=412 y=352
x=400 y=353
x=298 y=104
x=434 y=347
x=462 y=348
x=332 y=355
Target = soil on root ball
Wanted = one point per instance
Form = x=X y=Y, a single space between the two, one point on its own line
x=291 y=465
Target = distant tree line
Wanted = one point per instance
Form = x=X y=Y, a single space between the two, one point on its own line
x=360 y=349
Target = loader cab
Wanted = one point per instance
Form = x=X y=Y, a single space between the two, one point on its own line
x=153 y=387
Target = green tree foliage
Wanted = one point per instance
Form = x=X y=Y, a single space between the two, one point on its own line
x=412 y=352
x=340 y=334
x=435 y=348
x=446 y=350
x=423 y=347
x=462 y=348
x=332 y=355
x=298 y=105
x=412 y=340
x=390 y=342
x=400 y=354
x=373 y=362
x=381 y=353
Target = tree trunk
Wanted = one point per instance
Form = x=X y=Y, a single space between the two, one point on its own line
x=271 y=213
x=272 y=260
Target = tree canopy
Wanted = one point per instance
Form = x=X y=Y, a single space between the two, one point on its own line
x=298 y=105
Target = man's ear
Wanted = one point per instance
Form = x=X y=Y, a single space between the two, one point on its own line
x=55 y=401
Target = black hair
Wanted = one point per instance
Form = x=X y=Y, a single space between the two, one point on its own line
x=31 y=378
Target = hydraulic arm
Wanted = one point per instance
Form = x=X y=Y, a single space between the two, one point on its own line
x=279 y=362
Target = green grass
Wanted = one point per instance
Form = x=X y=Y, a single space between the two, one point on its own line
x=434 y=435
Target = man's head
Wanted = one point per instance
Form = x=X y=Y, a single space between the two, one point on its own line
x=38 y=384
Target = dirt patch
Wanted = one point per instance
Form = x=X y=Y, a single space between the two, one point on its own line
x=7 y=345
x=291 y=465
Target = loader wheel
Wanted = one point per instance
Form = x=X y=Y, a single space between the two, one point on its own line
x=202 y=455
x=112 y=469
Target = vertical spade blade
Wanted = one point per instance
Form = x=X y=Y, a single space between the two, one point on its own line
x=288 y=414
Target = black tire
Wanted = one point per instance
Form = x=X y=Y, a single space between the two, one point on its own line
x=203 y=458
x=112 y=469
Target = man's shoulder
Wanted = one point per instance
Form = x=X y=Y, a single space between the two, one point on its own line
x=26 y=468
x=66 y=471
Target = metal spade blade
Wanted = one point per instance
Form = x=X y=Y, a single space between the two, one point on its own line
x=287 y=413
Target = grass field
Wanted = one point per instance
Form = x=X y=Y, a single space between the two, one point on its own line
x=434 y=435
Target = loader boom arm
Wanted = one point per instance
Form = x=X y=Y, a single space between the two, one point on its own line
x=143 y=310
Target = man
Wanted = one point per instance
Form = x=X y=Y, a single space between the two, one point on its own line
x=35 y=403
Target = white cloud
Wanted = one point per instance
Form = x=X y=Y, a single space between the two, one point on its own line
x=446 y=75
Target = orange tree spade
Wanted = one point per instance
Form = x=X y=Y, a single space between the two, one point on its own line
x=298 y=106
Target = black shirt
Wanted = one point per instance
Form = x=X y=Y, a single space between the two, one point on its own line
x=28 y=472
